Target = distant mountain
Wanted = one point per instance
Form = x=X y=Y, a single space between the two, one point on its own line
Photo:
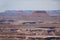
x=18 y=13
x=54 y=12
x=13 y=13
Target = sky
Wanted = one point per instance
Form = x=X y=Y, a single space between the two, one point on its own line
x=29 y=5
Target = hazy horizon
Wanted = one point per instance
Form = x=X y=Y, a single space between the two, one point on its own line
x=26 y=12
